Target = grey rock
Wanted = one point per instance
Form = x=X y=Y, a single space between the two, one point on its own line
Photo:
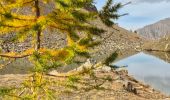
x=106 y=68
x=157 y=30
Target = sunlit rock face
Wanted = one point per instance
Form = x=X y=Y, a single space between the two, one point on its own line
x=157 y=30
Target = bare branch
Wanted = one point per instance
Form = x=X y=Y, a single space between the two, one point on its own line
x=123 y=14
x=127 y=3
x=9 y=62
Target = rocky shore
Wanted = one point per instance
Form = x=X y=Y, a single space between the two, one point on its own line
x=120 y=86
x=105 y=83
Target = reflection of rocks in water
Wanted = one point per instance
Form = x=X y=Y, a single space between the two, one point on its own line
x=159 y=83
x=123 y=55
x=162 y=55
x=20 y=66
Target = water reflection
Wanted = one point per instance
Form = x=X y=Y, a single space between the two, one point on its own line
x=20 y=66
x=162 y=55
x=149 y=69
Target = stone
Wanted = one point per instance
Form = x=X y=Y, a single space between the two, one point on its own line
x=130 y=88
x=106 y=68
x=53 y=72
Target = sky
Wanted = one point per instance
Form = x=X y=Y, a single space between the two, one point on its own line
x=141 y=12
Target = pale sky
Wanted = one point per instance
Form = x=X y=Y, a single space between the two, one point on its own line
x=141 y=12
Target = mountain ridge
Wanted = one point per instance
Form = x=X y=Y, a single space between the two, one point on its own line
x=156 y=30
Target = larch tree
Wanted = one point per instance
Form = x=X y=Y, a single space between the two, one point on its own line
x=44 y=16
x=65 y=16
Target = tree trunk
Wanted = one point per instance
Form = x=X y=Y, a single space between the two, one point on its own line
x=38 y=40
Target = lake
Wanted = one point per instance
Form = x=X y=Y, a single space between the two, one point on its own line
x=149 y=69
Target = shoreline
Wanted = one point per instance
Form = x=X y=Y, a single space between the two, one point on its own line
x=114 y=87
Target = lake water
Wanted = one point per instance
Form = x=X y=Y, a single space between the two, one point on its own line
x=148 y=69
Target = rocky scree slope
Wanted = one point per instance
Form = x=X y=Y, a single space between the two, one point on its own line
x=114 y=38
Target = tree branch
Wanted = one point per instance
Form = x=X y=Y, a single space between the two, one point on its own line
x=17 y=56
x=10 y=26
x=28 y=2
x=53 y=26
x=127 y=3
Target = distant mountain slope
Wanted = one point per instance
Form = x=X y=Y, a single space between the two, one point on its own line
x=157 y=30
x=162 y=44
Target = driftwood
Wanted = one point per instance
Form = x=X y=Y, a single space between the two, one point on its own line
x=86 y=67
